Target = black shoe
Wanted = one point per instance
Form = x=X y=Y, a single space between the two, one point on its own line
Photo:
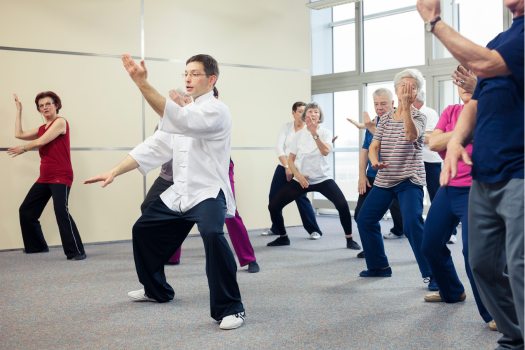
x=361 y=255
x=279 y=241
x=77 y=257
x=351 y=244
x=172 y=263
x=253 y=267
x=386 y=272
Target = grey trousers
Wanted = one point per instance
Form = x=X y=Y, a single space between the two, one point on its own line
x=496 y=254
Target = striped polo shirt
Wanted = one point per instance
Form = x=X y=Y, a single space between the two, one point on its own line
x=404 y=158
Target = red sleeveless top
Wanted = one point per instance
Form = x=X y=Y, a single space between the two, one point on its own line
x=55 y=159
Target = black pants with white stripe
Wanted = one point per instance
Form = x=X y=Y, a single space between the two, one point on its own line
x=31 y=210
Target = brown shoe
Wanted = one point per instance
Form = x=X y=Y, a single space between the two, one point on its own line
x=436 y=298
x=433 y=298
x=492 y=326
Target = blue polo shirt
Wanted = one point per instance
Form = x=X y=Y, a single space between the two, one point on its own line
x=498 y=135
x=370 y=172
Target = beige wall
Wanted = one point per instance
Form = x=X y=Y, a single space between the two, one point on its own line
x=73 y=48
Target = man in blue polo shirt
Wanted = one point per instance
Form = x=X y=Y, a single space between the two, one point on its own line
x=494 y=117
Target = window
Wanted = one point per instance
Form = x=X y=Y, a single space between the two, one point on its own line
x=393 y=41
x=465 y=16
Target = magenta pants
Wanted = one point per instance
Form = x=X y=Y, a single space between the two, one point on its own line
x=238 y=234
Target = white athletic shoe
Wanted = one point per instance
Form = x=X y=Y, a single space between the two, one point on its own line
x=391 y=235
x=315 y=235
x=267 y=233
x=139 y=295
x=233 y=321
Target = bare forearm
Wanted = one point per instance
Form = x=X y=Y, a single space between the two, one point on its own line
x=373 y=152
x=482 y=61
x=283 y=160
x=466 y=123
x=438 y=142
x=126 y=165
x=363 y=161
x=411 y=133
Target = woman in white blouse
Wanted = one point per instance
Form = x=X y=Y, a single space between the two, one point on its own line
x=283 y=175
x=308 y=162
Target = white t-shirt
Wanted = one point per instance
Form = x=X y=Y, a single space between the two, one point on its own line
x=309 y=160
x=432 y=119
x=285 y=139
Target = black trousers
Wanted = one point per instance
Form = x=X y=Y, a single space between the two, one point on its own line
x=293 y=190
x=31 y=210
x=159 y=232
x=394 y=208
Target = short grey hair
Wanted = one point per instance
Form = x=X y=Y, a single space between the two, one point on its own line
x=410 y=73
x=313 y=105
x=383 y=92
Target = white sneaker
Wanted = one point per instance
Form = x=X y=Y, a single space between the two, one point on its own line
x=267 y=233
x=233 y=321
x=453 y=239
x=391 y=235
x=315 y=235
x=139 y=295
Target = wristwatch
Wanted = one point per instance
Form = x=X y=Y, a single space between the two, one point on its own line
x=429 y=26
x=316 y=137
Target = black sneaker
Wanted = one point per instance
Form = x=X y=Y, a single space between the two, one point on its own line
x=386 y=272
x=253 y=267
x=279 y=241
x=351 y=244
x=361 y=255
x=77 y=257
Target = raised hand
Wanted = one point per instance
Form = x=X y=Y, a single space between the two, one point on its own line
x=18 y=103
x=180 y=98
x=356 y=123
x=428 y=9
x=138 y=73
x=311 y=124
x=465 y=79
x=367 y=121
x=408 y=95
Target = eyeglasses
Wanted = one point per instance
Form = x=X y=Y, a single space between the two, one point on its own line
x=47 y=104
x=192 y=74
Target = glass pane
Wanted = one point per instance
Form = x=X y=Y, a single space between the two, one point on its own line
x=346 y=104
x=448 y=94
x=344 y=48
x=478 y=26
x=376 y=6
x=346 y=173
x=343 y=12
x=321 y=41
x=393 y=42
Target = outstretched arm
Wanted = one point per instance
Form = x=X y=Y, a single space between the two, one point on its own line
x=126 y=165
x=139 y=74
x=56 y=129
x=482 y=61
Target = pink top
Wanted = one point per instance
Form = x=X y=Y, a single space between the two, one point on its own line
x=447 y=122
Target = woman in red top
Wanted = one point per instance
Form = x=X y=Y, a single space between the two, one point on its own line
x=56 y=177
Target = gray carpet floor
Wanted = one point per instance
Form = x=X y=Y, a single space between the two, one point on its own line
x=307 y=296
